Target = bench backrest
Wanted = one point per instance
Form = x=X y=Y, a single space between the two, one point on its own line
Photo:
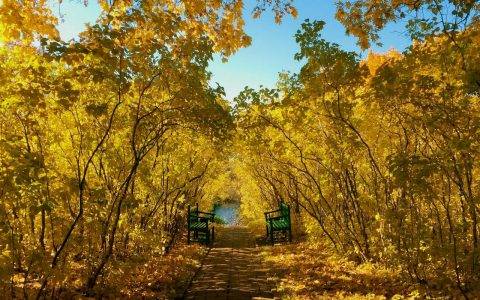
x=285 y=211
x=193 y=214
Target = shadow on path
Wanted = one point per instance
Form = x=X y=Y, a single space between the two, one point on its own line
x=233 y=269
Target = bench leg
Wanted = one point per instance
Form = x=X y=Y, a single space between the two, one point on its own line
x=271 y=236
x=289 y=234
x=188 y=236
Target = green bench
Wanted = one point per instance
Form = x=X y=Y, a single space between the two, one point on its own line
x=198 y=226
x=279 y=221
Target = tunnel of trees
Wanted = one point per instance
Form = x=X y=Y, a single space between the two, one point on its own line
x=105 y=140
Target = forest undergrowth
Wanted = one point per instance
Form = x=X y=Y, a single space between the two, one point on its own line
x=311 y=271
x=161 y=276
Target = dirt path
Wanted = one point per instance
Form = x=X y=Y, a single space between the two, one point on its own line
x=233 y=269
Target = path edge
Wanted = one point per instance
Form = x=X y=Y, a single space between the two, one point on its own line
x=183 y=294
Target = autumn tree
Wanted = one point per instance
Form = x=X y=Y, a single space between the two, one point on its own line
x=376 y=155
x=89 y=127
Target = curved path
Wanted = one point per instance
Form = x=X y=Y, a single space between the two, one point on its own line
x=232 y=270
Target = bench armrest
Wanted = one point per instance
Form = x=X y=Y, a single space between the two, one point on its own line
x=268 y=213
x=277 y=218
x=206 y=215
x=202 y=214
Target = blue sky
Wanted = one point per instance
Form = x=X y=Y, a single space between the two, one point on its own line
x=272 y=48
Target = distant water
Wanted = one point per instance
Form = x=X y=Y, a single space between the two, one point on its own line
x=228 y=212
